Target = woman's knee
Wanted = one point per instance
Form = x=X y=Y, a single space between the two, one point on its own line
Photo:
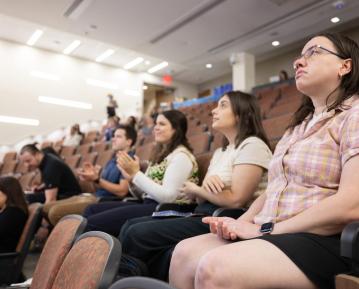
x=180 y=256
x=89 y=210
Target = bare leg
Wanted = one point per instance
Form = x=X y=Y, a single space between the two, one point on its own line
x=186 y=256
x=255 y=264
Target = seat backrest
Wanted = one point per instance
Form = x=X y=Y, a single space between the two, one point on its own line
x=140 y=283
x=57 y=246
x=144 y=151
x=26 y=180
x=199 y=142
x=8 y=167
x=9 y=156
x=104 y=157
x=92 y=263
x=32 y=224
x=67 y=151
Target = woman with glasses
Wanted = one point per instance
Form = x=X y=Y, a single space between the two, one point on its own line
x=290 y=236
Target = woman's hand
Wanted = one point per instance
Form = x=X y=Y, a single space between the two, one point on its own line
x=231 y=229
x=127 y=165
x=188 y=191
x=213 y=184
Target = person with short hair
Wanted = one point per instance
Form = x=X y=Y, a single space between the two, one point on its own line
x=172 y=163
x=109 y=182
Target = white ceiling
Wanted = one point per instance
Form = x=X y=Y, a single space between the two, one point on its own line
x=186 y=33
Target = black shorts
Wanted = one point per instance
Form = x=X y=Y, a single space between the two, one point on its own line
x=318 y=257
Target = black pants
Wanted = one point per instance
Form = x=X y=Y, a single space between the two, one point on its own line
x=110 y=216
x=153 y=240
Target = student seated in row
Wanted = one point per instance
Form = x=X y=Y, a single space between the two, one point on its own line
x=236 y=175
x=290 y=236
x=171 y=164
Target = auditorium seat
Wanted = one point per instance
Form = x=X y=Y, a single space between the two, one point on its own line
x=11 y=263
x=67 y=151
x=276 y=126
x=144 y=151
x=140 y=283
x=73 y=161
x=84 y=149
x=46 y=144
x=90 y=137
x=57 y=246
x=284 y=108
x=217 y=141
x=26 y=180
x=8 y=167
x=9 y=156
x=104 y=157
x=100 y=146
x=200 y=142
x=91 y=263
x=88 y=158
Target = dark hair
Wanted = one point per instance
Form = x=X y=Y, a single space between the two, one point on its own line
x=30 y=148
x=130 y=132
x=51 y=150
x=179 y=124
x=245 y=107
x=132 y=121
x=11 y=187
x=283 y=75
x=349 y=85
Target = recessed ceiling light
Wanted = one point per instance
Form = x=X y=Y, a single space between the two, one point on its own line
x=72 y=47
x=34 y=37
x=145 y=87
x=275 y=43
x=104 y=55
x=19 y=120
x=147 y=62
x=209 y=65
x=44 y=75
x=65 y=102
x=158 y=67
x=133 y=63
x=100 y=83
x=335 y=20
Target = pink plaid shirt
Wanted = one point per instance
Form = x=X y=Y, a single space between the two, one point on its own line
x=307 y=163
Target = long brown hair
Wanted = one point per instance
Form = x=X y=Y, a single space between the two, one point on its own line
x=245 y=107
x=349 y=85
x=179 y=124
x=14 y=193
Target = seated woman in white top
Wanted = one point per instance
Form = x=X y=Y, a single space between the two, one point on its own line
x=171 y=164
x=236 y=175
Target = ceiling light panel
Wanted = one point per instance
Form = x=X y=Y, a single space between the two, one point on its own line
x=35 y=37
x=105 y=55
x=158 y=67
x=69 y=49
x=133 y=63
x=64 y=102
x=19 y=120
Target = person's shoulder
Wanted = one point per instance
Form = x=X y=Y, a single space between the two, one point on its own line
x=253 y=141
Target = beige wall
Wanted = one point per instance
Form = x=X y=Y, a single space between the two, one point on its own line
x=19 y=91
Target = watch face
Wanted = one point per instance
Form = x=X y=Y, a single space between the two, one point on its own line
x=267 y=227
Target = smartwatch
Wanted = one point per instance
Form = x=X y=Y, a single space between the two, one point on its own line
x=266 y=228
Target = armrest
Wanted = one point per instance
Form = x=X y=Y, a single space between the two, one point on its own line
x=132 y=199
x=109 y=199
x=176 y=207
x=10 y=255
x=225 y=212
x=349 y=245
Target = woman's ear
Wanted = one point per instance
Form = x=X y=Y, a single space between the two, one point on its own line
x=346 y=67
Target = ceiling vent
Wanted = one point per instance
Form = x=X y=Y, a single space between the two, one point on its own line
x=77 y=8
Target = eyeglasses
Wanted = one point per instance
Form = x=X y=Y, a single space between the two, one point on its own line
x=315 y=50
